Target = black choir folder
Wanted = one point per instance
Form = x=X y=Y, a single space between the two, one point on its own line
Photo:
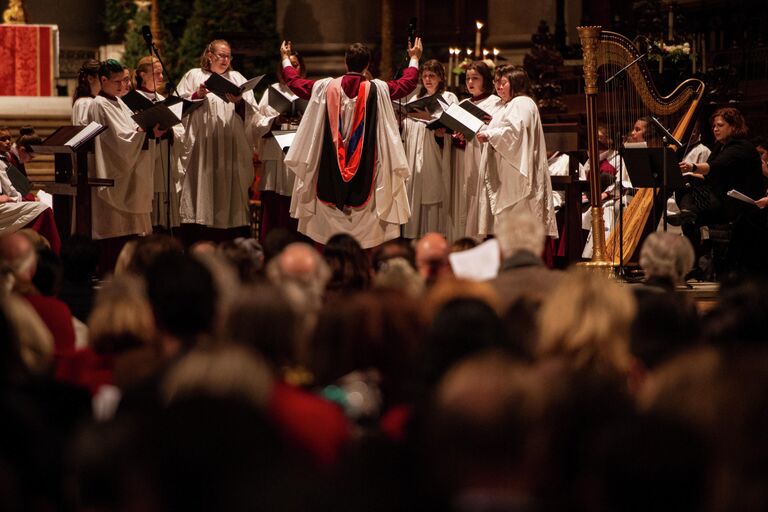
x=166 y=113
x=464 y=117
x=286 y=104
x=431 y=104
x=220 y=86
x=19 y=181
x=69 y=138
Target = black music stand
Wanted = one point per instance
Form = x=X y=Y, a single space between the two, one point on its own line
x=656 y=168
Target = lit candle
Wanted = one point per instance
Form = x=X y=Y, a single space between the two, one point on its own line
x=450 y=67
x=478 y=37
x=469 y=53
x=495 y=54
x=485 y=53
x=671 y=24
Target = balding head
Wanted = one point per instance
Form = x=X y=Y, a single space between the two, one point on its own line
x=298 y=260
x=432 y=256
x=18 y=255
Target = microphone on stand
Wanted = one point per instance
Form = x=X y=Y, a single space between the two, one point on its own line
x=146 y=33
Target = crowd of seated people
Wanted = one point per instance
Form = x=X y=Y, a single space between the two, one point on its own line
x=284 y=378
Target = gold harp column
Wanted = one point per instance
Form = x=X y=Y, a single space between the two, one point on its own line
x=385 y=70
x=590 y=42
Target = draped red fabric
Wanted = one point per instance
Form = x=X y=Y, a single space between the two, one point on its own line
x=27 y=55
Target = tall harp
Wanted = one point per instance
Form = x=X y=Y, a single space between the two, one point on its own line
x=629 y=95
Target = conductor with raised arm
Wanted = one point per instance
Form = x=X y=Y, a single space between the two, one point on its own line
x=347 y=156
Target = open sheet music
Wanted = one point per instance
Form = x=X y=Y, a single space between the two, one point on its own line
x=464 y=117
x=220 y=86
x=69 y=138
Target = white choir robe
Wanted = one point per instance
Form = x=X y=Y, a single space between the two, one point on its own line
x=559 y=165
x=80 y=111
x=429 y=187
x=166 y=155
x=275 y=176
x=15 y=214
x=123 y=209
x=380 y=218
x=218 y=155
x=611 y=206
x=466 y=180
x=514 y=173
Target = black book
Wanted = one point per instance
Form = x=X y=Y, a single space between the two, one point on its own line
x=286 y=104
x=431 y=104
x=159 y=114
x=220 y=86
x=136 y=101
x=19 y=181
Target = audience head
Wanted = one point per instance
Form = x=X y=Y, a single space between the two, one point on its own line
x=357 y=57
x=88 y=84
x=432 y=257
x=479 y=79
x=183 y=298
x=261 y=317
x=302 y=274
x=398 y=274
x=276 y=240
x=396 y=248
x=585 y=322
x=79 y=256
x=245 y=255
x=728 y=123
x=217 y=57
x=463 y=244
x=121 y=318
x=349 y=264
x=523 y=232
x=666 y=256
x=148 y=248
x=19 y=256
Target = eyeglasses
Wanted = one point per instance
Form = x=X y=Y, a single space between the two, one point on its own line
x=224 y=56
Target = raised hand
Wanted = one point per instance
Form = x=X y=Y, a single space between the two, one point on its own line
x=285 y=50
x=415 y=50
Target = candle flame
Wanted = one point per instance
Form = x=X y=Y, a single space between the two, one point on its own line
x=469 y=51
x=496 y=52
x=479 y=24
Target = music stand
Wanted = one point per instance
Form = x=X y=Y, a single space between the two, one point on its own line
x=654 y=168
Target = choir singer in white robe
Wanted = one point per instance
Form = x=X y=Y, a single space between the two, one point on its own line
x=166 y=167
x=219 y=144
x=514 y=174
x=466 y=174
x=124 y=154
x=429 y=187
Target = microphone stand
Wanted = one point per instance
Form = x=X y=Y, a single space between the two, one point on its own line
x=153 y=49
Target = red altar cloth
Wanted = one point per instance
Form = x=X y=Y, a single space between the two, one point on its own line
x=28 y=54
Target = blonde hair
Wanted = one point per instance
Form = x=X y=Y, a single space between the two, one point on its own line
x=121 y=317
x=225 y=370
x=205 y=59
x=586 y=321
x=145 y=65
